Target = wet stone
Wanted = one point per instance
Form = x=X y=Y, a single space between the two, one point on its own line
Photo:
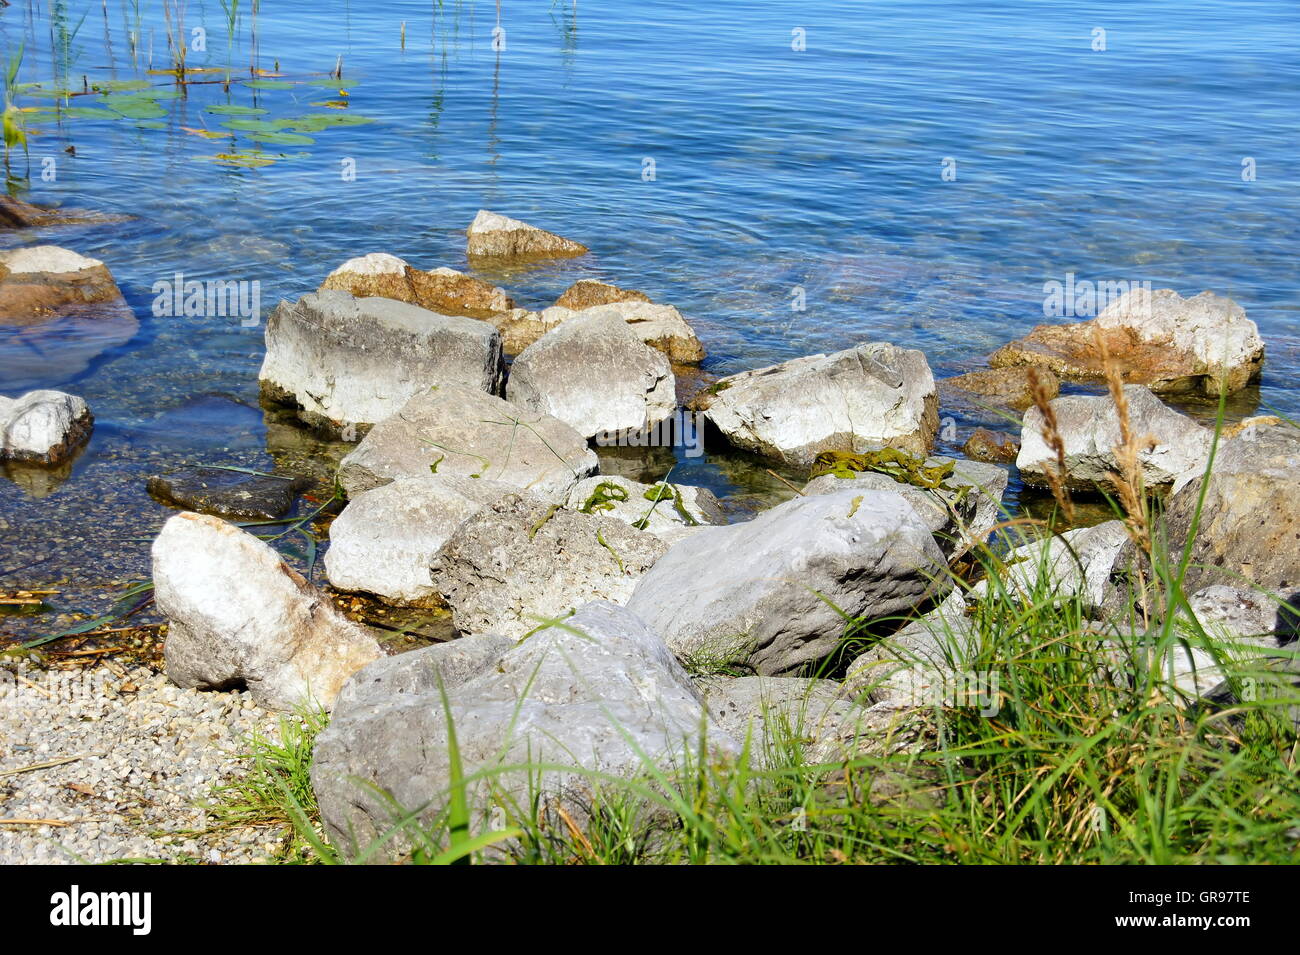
x=227 y=493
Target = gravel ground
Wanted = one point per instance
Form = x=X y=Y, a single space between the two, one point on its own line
x=149 y=751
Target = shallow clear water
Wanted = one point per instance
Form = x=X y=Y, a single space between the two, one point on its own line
x=774 y=169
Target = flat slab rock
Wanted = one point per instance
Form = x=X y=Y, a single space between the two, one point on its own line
x=440 y=290
x=600 y=694
x=492 y=235
x=463 y=431
x=44 y=427
x=875 y=394
x=227 y=493
x=37 y=281
x=520 y=562
x=347 y=361
x=669 y=511
x=1159 y=339
x=586 y=293
x=386 y=539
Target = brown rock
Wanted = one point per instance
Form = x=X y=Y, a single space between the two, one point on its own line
x=440 y=290
x=38 y=282
x=1008 y=387
x=588 y=292
x=1159 y=339
x=991 y=446
x=497 y=236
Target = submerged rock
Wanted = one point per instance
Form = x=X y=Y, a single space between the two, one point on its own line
x=586 y=293
x=991 y=446
x=44 y=427
x=1159 y=339
x=462 y=431
x=497 y=236
x=1090 y=428
x=440 y=290
x=600 y=694
x=669 y=511
x=872 y=395
x=999 y=387
x=520 y=562
x=386 y=539
x=773 y=594
x=595 y=374
x=347 y=361
x=238 y=615
x=227 y=493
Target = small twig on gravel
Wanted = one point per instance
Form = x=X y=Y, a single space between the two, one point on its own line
x=34 y=822
x=50 y=765
x=785 y=482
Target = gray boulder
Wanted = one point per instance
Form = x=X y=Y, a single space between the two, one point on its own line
x=386 y=538
x=1249 y=527
x=765 y=593
x=595 y=374
x=520 y=562
x=462 y=431
x=1090 y=428
x=45 y=427
x=600 y=694
x=661 y=327
x=347 y=361
x=1086 y=561
x=238 y=615
x=957 y=512
x=872 y=395
x=669 y=511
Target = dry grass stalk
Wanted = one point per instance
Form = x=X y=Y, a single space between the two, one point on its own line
x=1052 y=436
x=1128 y=481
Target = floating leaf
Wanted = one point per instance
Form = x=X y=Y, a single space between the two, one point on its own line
x=320 y=121
x=88 y=112
x=332 y=104
x=136 y=107
x=205 y=133
x=243 y=159
x=270 y=85
x=230 y=109
x=114 y=86
x=150 y=124
x=282 y=139
x=333 y=81
x=255 y=125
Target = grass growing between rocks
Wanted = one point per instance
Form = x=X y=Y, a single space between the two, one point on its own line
x=1044 y=730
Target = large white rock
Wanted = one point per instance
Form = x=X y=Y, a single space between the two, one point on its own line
x=669 y=511
x=1077 y=562
x=238 y=615
x=462 y=431
x=355 y=361
x=1089 y=426
x=765 y=593
x=599 y=696
x=43 y=426
x=494 y=235
x=595 y=374
x=520 y=562
x=386 y=538
x=871 y=395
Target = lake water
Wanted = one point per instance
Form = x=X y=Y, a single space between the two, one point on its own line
x=720 y=157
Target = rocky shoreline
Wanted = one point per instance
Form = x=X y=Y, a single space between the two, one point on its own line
x=603 y=620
